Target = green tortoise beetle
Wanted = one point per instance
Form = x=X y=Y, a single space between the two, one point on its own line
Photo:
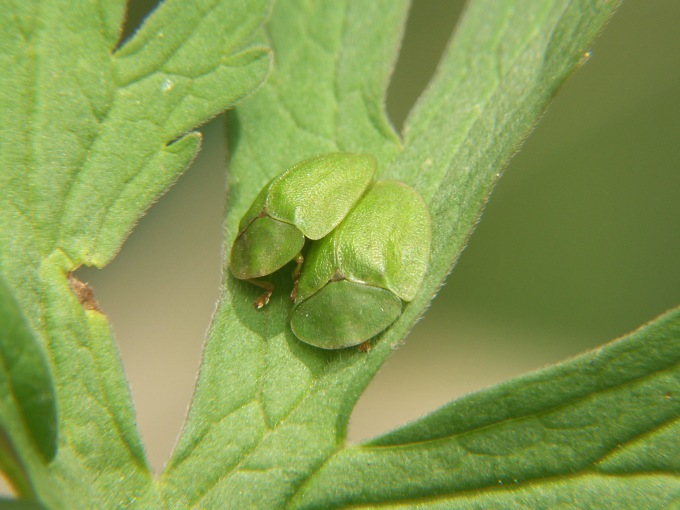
x=306 y=201
x=354 y=280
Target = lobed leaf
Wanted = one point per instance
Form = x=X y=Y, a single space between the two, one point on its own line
x=92 y=134
x=260 y=412
x=598 y=431
x=268 y=409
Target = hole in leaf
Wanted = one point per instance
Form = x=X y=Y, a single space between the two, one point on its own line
x=137 y=11
x=428 y=29
x=160 y=291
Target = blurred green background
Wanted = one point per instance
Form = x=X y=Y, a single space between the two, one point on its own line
x=579 y=244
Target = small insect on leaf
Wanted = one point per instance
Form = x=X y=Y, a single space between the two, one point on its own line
x=354 y=281
x=306 y=201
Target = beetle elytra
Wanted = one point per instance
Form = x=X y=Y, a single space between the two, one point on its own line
x=354 y=281
x=306 y=201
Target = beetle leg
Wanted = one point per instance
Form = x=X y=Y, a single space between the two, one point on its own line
x=262 y=301
x=364 y=347
x=299 y=260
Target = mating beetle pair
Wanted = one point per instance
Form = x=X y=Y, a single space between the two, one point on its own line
x=369 y=247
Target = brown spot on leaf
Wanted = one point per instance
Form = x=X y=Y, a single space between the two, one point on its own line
x=84 y=293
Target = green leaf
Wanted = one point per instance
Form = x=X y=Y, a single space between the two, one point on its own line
x=265 y=408
x=27 y=396
x=599 y=431
x=7 y=504
x=92 y=134
x=270 y=410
